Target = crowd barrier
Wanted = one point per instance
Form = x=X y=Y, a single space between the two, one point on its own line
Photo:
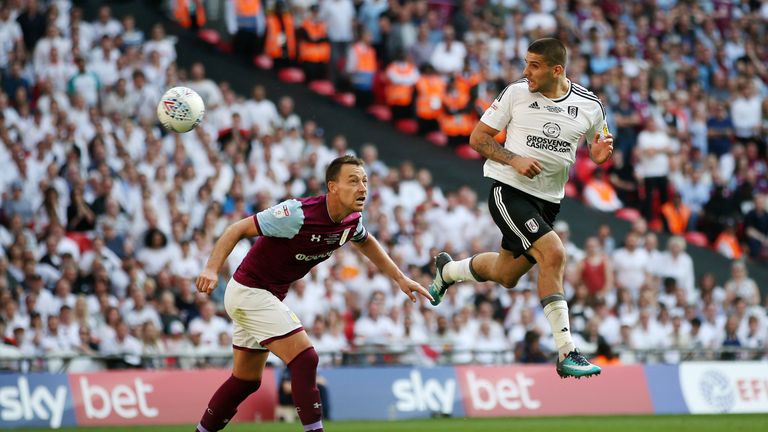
x=176 y=397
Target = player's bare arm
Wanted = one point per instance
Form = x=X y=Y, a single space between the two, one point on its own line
x=601 y=148
x=482 y=141
x=371 y=248
x=208 y=278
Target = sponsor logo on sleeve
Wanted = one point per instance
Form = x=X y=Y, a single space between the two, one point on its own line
x=281 y=211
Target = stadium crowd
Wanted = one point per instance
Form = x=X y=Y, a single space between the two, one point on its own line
x=107 y=220
x=683 y=83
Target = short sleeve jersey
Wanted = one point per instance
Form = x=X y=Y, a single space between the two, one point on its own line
x=295 y=236
x=548 y=130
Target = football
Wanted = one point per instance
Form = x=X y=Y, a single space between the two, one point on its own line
x=180 y=109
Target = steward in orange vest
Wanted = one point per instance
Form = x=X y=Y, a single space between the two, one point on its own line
x=189 y=13
x=361 y=67
x=727 y=243
x=676 y=215
x=458 y=118
x=251 y=28
x=468 y=80
x=402 y=76
x=430 y=89
x=281 y=36
x=314 y=46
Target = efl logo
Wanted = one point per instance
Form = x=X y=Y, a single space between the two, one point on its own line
x=29 y=404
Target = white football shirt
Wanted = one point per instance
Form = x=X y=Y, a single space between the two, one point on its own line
x=543 y=129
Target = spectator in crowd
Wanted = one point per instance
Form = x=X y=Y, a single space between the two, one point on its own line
x=756 y=227
x=654 y=146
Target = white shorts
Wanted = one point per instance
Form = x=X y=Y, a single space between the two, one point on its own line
x=258 y=317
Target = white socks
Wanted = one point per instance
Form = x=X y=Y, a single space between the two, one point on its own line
x=556 y=311
x=457 y=271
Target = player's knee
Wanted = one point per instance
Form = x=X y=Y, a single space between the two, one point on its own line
x=307 y=360
x=554 y=258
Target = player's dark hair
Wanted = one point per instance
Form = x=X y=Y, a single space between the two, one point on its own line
x=334 y=168
x=551 y=49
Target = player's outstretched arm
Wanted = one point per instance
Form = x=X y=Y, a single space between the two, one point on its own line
x=482 y=141
x=601 y=148
x=208 y=278
x=371 y=248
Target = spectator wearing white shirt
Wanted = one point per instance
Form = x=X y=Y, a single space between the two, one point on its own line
x=648 y=334
x=712 y=326
x=121 y=101
x=654 y=146
x=630 y=263
x=102 y=60
x=13 y=318
x=488 y=347
x=339 y=17
x=52 y=39
x=62 y=295
x=448 y=55
x=126 y=348
x=539 y=20
x=306 y=305
x=374 y=328
x=147 y=95
x=159 y=42
x=137 y=311
x=329 y=341
x=56 y=71
x=208 y=324
x=262 y=112
x=746 y=111
x=11 y=36
x=741 y=285
x=678 y=264
x=106 y=25
x=55 y=340
x=156 y=253
x=207 y=89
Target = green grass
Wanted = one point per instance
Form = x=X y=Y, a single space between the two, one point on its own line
x=681 y=423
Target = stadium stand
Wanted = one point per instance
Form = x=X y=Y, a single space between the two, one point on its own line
x=106 y=218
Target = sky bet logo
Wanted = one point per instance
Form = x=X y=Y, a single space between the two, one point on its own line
x=24 y=403
x=418 y=394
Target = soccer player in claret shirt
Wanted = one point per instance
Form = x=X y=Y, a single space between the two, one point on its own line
x=293 y=237
x=545 y=116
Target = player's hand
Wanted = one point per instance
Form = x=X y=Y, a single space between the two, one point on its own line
x=409 y=287
x=526 y=166
x=207 y=281
x=602 y=148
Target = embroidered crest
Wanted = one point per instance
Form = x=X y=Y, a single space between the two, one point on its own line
x=573 y=111
x=532 y=225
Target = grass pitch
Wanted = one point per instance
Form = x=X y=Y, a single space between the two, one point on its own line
x=676 y=423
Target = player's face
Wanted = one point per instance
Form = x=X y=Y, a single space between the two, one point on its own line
x=351 y=187
x=541 y=77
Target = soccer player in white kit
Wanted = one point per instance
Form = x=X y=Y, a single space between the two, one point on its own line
x=545 y=116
